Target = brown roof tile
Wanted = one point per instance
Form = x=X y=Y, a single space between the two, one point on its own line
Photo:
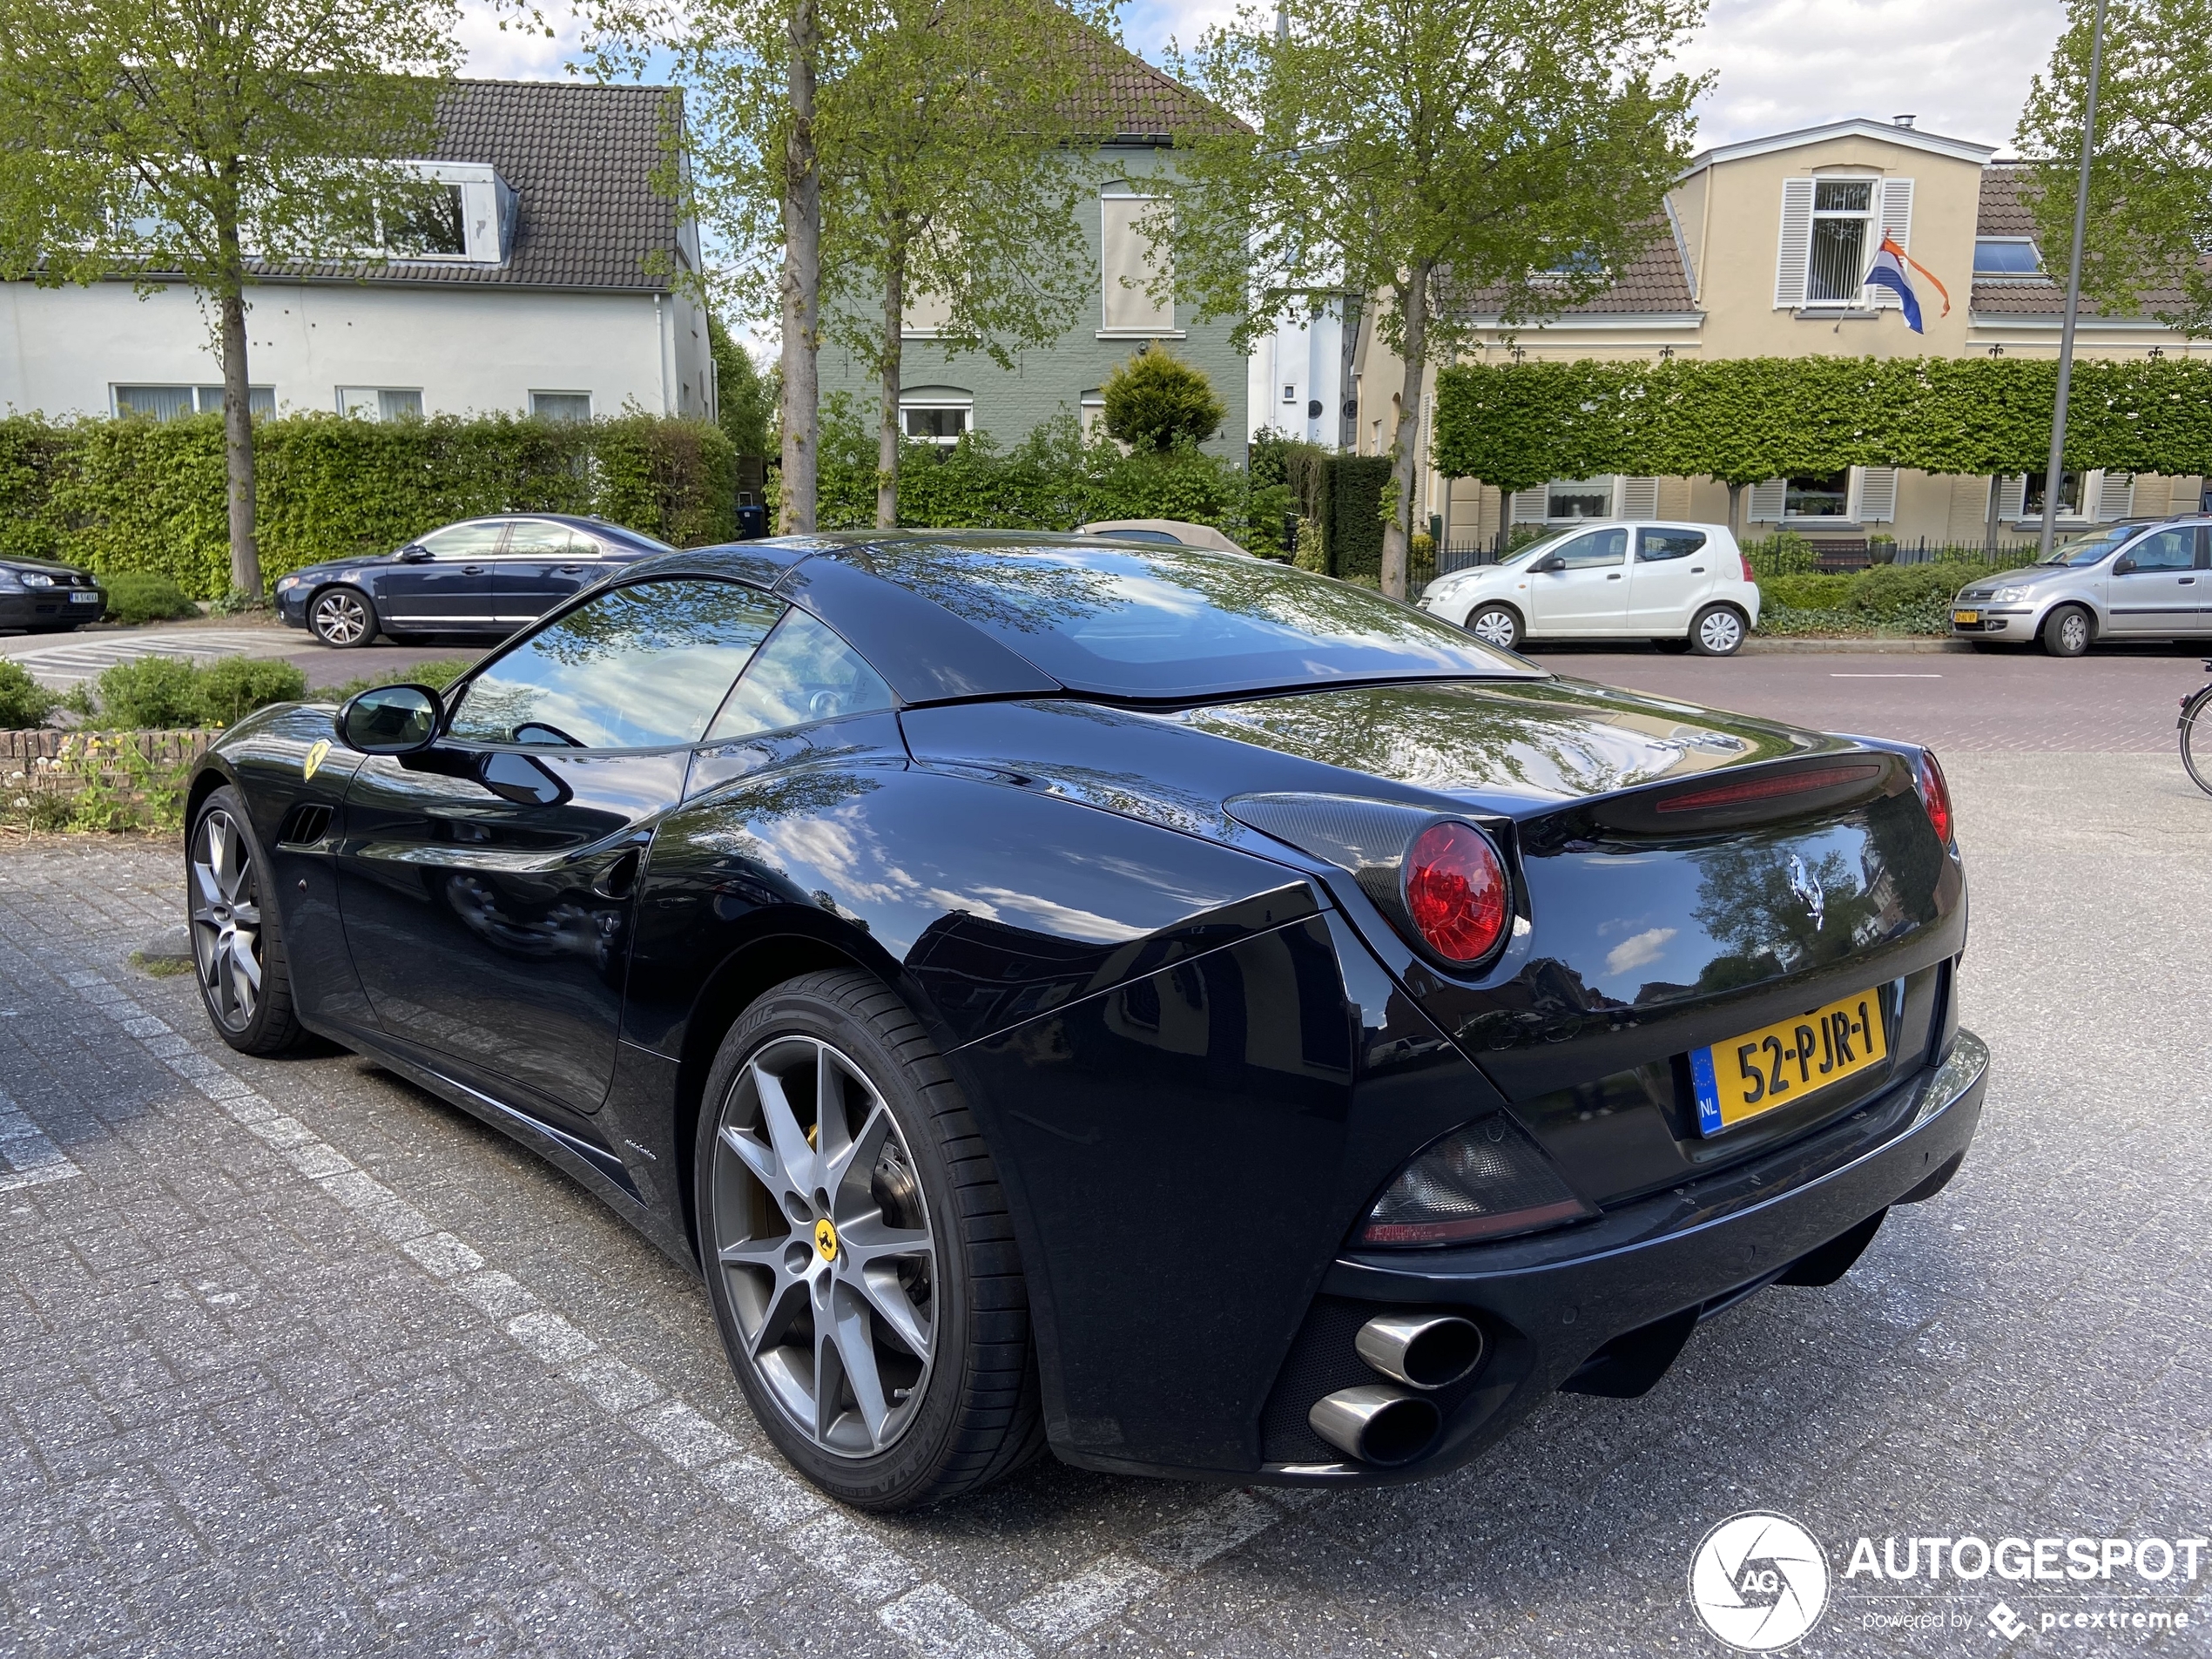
x=1653 y=281
x=2003 y=213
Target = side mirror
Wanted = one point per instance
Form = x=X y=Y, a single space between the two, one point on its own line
x=414 y=553
x=2122 y=565
x=391 y=720
x=1546 y=565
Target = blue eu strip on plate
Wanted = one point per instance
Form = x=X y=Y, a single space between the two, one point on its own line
x=1708 y=1094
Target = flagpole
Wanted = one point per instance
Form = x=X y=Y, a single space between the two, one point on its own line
x=2053 y=474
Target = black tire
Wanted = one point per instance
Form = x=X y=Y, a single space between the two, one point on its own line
x=2197 y=738
x=52 y=627
x=2067 y=631
x=1496 y=624
x=979 y=1414
x=223 y=904
x=1718 y=630
x=341 y=617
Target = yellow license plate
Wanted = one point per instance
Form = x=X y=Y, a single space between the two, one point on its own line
x=1777 y=1065
x=1969 y=619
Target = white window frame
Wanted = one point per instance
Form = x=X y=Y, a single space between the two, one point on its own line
x=590 y=409
x=2012 y=499
x=2028 y=242
x=1871 y=218
x=350 y=395
x=487 y=213
x=964 y=405
x=1110 y=281
x=205 y=400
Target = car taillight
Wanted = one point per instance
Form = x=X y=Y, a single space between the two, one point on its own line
x=1744 y=559
x=1484 y=1181
x=1935 y=795
x=1455 y=892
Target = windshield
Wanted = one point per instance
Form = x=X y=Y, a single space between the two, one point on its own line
x=1537 y=550
x=1184 y=622
x=2087 y=549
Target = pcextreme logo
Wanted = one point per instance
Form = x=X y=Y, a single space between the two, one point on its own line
x=1759 y=1582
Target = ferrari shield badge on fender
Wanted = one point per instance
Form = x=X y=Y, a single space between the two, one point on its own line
x=314 y=760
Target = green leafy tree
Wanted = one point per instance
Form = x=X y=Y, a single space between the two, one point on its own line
x=1156 y=400
x=2150 y=186
x=1436 y=153
x=745 y=404
x=201 y=142
x=952 y=183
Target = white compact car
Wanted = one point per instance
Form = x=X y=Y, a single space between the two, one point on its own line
x=1685 y=585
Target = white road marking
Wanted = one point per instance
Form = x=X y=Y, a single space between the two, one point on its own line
x=72 y=660
x=933 y=1620
x=1885 y=677
x=28 y=1158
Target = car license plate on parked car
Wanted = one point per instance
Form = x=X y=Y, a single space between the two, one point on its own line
x=1966 y=618
x=84 y=598
x=1771 y=1068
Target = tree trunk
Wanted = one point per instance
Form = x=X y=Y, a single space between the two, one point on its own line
x=1735 y=518
x=1989 y=530
x=802 y=285
x=887 y=437
x=1412 y=311
x=238 y=419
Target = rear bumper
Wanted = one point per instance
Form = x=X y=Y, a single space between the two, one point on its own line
x=1602 y=1307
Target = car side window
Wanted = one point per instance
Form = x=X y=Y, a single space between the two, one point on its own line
x=535 y=539
x=460 y=543
x=804 y=673
x=2165 y=550
x=1593 y=549
x=1652 y=546
x=643 y=666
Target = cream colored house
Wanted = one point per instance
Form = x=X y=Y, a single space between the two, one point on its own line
x=1764 y=254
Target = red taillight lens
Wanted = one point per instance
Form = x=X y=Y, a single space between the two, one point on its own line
x=1935 y=795
x=1455 y=892
x=1744 y=559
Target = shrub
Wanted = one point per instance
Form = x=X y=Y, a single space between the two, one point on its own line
x=146 y=595
x=150 y=691
x=1157 y=401
x=24 y=701
x=437 y=674
x=1809 y=592
x=234 y=687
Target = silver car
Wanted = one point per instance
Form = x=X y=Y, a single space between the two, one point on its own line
x=2130 y=582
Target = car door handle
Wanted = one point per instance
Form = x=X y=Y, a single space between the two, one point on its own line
x=472 y=569
x=1615 y=576
x=571 y=569
x=2186 y=580
x=1697 y=570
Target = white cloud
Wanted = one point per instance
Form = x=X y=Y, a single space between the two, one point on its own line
x=1635 y=951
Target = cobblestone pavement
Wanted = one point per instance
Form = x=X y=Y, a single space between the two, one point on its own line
x=296 y=1359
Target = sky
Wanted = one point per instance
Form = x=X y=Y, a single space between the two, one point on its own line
x=1962 y=66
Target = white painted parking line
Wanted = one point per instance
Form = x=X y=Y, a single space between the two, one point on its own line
x=73 y=660
x=28 y=1158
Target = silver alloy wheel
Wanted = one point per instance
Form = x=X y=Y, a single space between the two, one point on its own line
x=226 y=920
x=1493 y=626
x=822 y=1235
x=339 y=617
x=1721 y=631
x=2074 y=632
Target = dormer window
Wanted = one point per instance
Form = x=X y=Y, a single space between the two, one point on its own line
x=2007 y=256
x=1843 y=213
x=464 y=211
x=429 y=223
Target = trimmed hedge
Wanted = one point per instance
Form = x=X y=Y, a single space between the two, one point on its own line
x=140 y=495
x=1885 y=598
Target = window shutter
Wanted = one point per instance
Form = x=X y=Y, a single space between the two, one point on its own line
x=1528 y=505
x=2012 y=495
x=1768 y=501
x=1797 y=244
x=1639 y=498
x=1895 y=221
x=1877 y=494
x=2115 y=495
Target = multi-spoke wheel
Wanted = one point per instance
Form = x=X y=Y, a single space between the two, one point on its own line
x=1717 y=631
x=236 y=942
x=1496 y=624
x=854 y=1236
x=341 y=616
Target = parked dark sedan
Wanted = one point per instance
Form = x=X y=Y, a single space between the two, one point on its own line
x=1206 y=1018
x=45 y=597
x=483 y=576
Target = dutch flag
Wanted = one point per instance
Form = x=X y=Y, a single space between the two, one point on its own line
x=1889 y=273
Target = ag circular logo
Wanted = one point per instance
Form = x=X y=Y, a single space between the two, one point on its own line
x=1759 y=1582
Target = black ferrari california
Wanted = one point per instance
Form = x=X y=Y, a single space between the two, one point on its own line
x=1204 y=1018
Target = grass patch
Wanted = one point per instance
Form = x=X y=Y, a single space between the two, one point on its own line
x=159 y=966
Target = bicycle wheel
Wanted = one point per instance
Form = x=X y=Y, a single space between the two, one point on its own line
x=2197 y=738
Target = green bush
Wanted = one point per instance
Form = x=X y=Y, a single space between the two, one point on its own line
x=437 y=674
x=1809 y=592
x=24 y=701
x=161 y=691
x=1156 y=400
x=119 y=496
x=146 y=595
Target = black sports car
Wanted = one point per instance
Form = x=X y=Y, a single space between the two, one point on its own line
x=483 y=576
x=1206 y=1018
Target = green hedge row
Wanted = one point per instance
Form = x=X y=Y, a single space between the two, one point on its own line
x=141 y=496
x=1741 y=421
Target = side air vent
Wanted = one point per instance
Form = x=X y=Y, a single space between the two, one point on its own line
x=308 y=823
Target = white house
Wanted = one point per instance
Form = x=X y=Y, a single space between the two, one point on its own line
x=538 y=292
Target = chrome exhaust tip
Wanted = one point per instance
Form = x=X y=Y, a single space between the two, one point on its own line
x=1421 y=1350
x=1377 y=1423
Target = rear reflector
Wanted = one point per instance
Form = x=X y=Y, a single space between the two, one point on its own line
x=1484 y=1181
x=1769 y=788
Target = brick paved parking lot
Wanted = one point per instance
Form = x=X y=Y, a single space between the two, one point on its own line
x=294 y=1359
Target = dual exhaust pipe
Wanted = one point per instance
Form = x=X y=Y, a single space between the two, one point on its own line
x=1393 y=1422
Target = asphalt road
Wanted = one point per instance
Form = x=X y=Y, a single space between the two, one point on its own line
x=63 y=660
x=294 y=1359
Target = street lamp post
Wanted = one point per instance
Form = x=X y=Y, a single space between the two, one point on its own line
x=2056 y=470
